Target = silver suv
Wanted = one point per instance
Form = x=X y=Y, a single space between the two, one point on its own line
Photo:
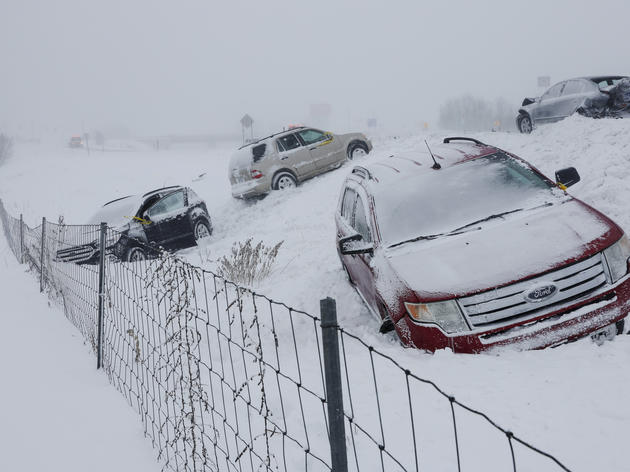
x=284 y=159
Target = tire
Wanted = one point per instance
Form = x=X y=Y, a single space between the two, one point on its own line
x=357 y=150
x=135 y=254
x=525 y=125
x=202 y=229
x=283 y=180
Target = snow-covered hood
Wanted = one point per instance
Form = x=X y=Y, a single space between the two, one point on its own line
x=502 y=251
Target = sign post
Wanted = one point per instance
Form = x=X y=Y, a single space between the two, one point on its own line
x=247 y=122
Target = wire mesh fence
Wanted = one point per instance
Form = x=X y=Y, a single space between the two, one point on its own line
x=225 y=379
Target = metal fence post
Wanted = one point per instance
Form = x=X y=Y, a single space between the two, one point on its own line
x=41 y=256
x=334 y=392
x=21 y=239
x=101 y=291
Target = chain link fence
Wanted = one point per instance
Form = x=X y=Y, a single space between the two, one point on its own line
x=225 y=379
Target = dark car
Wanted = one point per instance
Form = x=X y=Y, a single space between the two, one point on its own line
x=590 y=96
x=480 y=252
x=169 y=218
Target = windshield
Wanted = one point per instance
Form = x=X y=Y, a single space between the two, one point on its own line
x=446 y=200
x=117 y=213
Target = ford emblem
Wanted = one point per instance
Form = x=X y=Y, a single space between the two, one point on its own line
x=540 y=292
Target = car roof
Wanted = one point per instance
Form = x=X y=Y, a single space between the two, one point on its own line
x=169 y=189
x=599 y=78
x=403 y=164
x=279 y=133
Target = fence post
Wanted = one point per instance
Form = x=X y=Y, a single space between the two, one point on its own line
x=334 y=392
x=21 y=239
x=101 y=291
x=41 y=256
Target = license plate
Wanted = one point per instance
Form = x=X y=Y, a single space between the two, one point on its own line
x=604 y=334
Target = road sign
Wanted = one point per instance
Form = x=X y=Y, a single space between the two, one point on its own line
x=247 y=121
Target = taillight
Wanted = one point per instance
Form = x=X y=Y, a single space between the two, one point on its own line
x=256 y=174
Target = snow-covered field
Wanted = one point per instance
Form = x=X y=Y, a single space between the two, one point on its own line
x=572 y=401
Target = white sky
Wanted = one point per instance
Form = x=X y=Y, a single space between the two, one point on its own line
x=193 y=66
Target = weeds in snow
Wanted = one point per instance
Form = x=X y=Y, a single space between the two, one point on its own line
x=248 y=264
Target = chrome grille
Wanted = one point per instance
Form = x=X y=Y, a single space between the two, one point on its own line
x=76 y=254
x=508 y=304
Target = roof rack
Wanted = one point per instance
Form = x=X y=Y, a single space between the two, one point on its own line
x=271 y=136
x=362 y=172
x=460 y=138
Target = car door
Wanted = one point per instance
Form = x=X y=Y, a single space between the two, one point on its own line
x=363 y=276
x=169 y=224
x=547 y=109
x=295 y=156
x=326 y=150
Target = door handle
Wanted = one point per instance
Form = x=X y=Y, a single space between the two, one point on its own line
x=313 y=148
x=284 y=157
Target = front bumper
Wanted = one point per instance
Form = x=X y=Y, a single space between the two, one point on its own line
x=557 y=327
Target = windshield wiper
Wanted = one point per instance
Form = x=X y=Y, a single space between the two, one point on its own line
x=459 y=230
x=487 y=218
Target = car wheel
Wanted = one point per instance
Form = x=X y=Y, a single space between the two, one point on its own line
x=357 y=150
x=202 y=230
x=283 y=181
x=135 y=254
x=525 y=124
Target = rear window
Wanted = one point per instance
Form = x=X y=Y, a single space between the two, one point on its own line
x=259 y=151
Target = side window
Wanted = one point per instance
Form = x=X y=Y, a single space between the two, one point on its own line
x=554 y=91
x=348 y=204
x=168 y=204
x=279 y=145
x=311 y=136
x=360 y=221
x=288 y=142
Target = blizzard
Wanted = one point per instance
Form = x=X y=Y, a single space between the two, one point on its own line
x=571 y=401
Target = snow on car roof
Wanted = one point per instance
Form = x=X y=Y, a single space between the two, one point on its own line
x=403 y=164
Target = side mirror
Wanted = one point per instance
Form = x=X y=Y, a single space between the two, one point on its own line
x=354 y=244
x=567 y=177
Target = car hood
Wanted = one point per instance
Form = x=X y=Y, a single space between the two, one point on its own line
x=503 y=251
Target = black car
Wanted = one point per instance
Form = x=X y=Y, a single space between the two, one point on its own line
x=589 y=96
x=169 y=218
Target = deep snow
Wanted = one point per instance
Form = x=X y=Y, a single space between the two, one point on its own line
x=57 y=412
x=571 y=401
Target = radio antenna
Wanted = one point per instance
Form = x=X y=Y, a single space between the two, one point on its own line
x=435 y=165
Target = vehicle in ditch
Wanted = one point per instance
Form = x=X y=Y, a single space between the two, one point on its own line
x=597 y=97
x=139 y=227
x=479 y=251
x=285 y=159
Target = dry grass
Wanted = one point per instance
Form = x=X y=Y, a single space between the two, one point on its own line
x=247 y=264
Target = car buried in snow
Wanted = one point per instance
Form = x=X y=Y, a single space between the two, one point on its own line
x=597 y=97
x=287 y=158
x=139 y=227
x=480 y=251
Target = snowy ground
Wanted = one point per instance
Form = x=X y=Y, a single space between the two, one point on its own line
x=571 y=401
x=57 y=412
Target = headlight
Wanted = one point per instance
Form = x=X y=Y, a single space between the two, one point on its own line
x=617 y=257
x=444 y=314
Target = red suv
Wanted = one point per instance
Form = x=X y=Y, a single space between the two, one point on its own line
x=471 y=248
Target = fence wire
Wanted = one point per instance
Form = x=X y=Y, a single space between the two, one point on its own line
x=225 y=379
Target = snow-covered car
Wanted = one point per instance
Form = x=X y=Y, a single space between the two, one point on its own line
x=169 y=218
x=285 y=159
x=480 y=251
x=588 y=96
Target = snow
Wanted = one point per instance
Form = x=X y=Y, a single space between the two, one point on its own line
x=571 y=401
x=57 y=412
x=501 y=251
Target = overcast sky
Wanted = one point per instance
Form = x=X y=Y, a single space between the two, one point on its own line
x=159 y=67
